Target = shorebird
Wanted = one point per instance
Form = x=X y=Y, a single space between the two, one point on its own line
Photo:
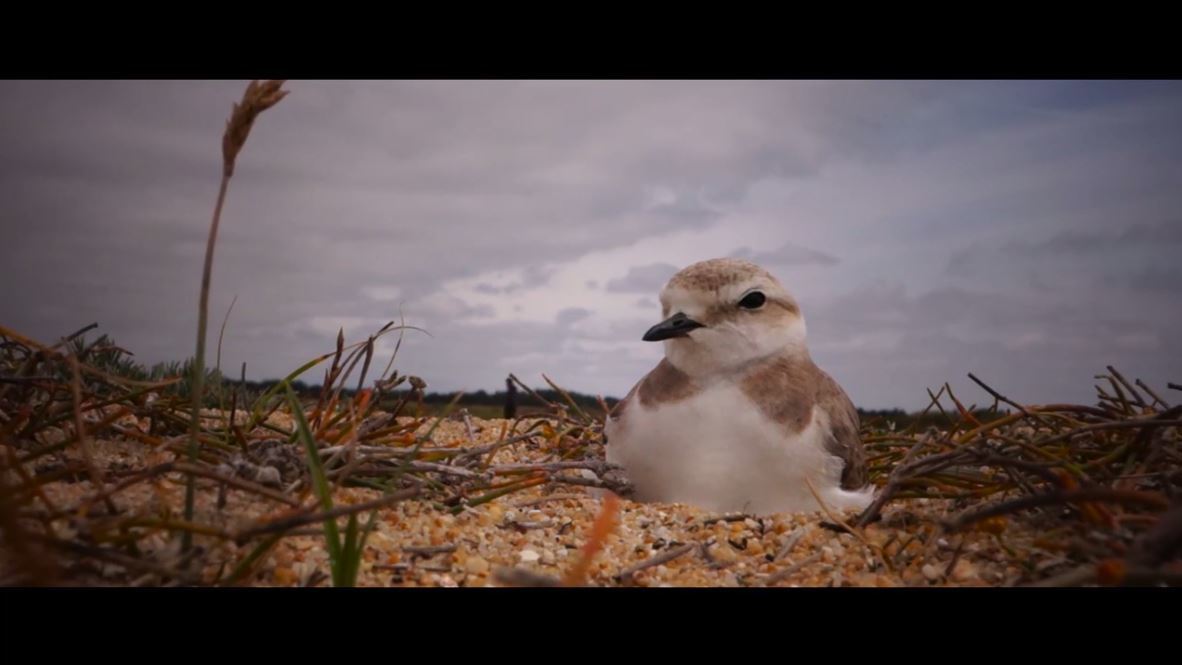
x=737 y=417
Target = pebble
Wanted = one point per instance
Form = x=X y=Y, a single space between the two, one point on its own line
x=931 y=572
x=529 y=556
x=285 y=576
x=964 y=571
x=269 y=476
x=476 y=565
x=724 y=552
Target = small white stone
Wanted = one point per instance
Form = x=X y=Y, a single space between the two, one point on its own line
x=931 y=572
x=268 y=475
x=548 y=557
x=529 y=556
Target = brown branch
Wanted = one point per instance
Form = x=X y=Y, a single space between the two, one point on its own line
x=1149 y=499
x=547 y=499
x=726 y=517
x=1132 y=391
x=520 y=577
x=781 y=575
x=998 y=396
x=237 y=482
x=429 y=550
x=26 y=379
x=662 y=558
x=621 y=488
x=1156 y=398
x=598 y=466
x=283 y=524
x=116 y=558
x=891 y=487
x=96 y=476
x=443 y=469
x=543 y=400
x=790 y=543
x=1154 y=421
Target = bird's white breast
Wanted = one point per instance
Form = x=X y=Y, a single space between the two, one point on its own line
x=717 y=450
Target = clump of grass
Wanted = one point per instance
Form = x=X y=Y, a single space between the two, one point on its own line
x=1070 y=471
x=344 y=556
x=347 y=441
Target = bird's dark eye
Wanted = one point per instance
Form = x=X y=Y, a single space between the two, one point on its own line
x=753 y=300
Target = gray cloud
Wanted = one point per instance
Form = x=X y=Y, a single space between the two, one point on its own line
x=531 y=277
x=1035 y=350
x=1138 y=236
x=572 y=315
x=1159 y=280
x=646 y=303
x=643 y=279
x=786 y=255
x=1140 y=258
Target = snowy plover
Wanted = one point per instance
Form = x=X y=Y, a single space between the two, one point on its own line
x=737 y=416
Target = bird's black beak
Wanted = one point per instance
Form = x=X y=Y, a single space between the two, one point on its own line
x=677 y=325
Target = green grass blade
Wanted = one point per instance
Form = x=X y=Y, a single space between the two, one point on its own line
x=350 y=556
x=244 y=566
x=319 y=481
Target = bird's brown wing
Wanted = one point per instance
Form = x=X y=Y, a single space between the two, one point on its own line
x=786 y=389
x=842 y=439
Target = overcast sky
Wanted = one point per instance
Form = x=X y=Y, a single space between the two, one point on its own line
x=1028 y=232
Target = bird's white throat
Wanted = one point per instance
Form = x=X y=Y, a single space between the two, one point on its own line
x=727 y=346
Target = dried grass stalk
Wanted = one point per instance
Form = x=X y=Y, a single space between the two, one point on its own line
x=257 y=98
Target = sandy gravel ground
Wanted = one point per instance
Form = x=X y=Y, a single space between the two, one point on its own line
x=542 y=530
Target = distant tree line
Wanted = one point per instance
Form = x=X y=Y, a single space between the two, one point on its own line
x=104 y=354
